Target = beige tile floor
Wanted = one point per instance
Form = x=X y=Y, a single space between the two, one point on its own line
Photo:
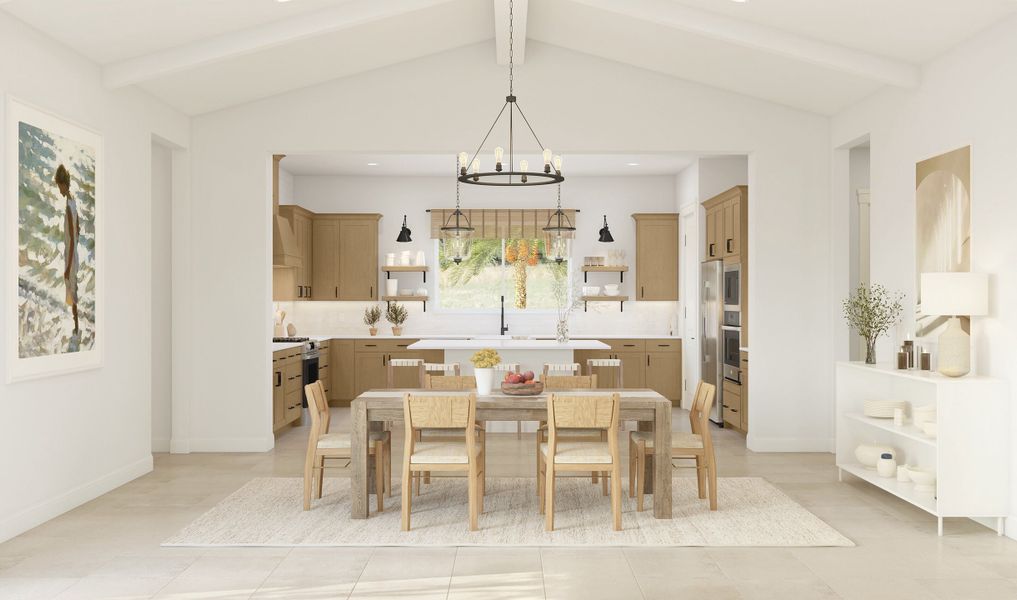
x=109 y=548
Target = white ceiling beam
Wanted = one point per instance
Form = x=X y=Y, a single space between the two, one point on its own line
x=501 y=30
x=765 y=39
x=238 y=43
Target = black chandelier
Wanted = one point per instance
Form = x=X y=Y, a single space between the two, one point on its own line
x=469 y=168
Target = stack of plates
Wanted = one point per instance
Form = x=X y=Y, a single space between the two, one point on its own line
x=882 y=409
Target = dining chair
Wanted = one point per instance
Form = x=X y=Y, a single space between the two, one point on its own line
x=446 y=383
x=569 y=382
x=697 y=444
x=607 y=363
x=561 y=453
x=323 y=445
x=428 y=410
x=404 y=363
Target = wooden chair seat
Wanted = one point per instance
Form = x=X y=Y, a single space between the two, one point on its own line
x=680 y=440
x=579 y=453
x=342 y=440
x=442 y=453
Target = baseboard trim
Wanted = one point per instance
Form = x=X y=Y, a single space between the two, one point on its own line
x=231 y=444
x=767 y=444
x=34 y=516
x=160 y=445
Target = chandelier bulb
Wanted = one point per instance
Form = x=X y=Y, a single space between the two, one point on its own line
x=463 y=157
x=547 y=156
x=524 y=165
x=557 y=163
x=499 y=153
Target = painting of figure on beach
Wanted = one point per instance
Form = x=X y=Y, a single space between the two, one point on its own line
x=56 y=257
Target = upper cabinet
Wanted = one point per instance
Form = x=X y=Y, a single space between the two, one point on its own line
x=345 y=262
x=656 y=256
x=726 y=223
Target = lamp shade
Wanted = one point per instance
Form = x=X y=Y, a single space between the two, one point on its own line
x=955 y=294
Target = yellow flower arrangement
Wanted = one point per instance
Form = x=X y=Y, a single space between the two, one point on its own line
x=485 y=358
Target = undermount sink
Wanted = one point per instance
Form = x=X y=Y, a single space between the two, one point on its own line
x=501 y=337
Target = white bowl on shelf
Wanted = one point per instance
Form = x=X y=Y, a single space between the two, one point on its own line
x=868 y=454
x=882 y=409
x=593 y=290
x=924 y=479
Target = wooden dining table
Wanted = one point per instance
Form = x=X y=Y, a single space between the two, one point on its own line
x=649 y=409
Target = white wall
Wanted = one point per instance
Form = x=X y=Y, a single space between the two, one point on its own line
x=426 y=105
x=966 y=97
x=719 y=174
x=65 y=440
x=858 y=179
x=162 y=296
x=616 y=197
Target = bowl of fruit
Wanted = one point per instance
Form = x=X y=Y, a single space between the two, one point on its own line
x=521 y=384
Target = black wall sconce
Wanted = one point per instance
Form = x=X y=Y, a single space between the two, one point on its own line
x=605 y=233
x=404 y=233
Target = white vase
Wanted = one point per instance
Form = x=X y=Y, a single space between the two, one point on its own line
x=391 y=287
x=485 y=381
x=421 y=258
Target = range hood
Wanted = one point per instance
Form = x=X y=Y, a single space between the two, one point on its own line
x=284 y=244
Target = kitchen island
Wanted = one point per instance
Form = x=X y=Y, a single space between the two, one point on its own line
x=530 y=354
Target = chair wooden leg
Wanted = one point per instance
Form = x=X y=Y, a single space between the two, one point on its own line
x=541 y=483
x=407 y=485
x=473 y=492
x=388 y=467
x=711 y=466
x=632 y=469
x=308 y=479
x=379 y=474
x=416 y=480
x=321 y=475
x=549 y=496
x=604 y=481
x=700 y=477
x=640 y=474
x=616 y=495
x=427 y=477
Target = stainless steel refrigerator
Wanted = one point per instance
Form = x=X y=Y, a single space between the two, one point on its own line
x=711 y=315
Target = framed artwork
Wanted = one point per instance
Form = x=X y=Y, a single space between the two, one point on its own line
x=53 y=201
x=942 y=226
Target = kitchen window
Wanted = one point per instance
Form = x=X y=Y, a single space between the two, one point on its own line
x=512 y=267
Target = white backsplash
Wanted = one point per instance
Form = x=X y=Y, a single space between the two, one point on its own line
x=346 y=318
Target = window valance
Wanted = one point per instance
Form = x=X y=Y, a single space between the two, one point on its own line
x=498 y=223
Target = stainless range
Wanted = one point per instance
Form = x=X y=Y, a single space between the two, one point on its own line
x=309 y=357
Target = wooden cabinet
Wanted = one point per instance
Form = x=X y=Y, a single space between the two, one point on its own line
x=325 y=276
x=732 y=400
x=726 y=223
x=303 y=258
x=605 y=376
x=371 y=371
x=745 y=391
x=342 y=367
x=633 y=369
x=287 y=387
x=345 y=252
x=656 y=256
x=278 y=391
x=664 y=373
x=358 y=257
x=324 y=366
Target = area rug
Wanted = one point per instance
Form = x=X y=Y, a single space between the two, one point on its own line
x=268 y=512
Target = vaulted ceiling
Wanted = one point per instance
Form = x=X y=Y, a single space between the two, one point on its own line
x=205 y=55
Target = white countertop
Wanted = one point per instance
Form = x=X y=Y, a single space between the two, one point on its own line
x=384 y=334
x=277 y=346
x=503 y=344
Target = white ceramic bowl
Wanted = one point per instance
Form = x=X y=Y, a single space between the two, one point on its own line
x=921 y=414
x=868 y=454
x=421 y=291
x=613 y=292
x=593 y=290
x=925 y=480
x=882 y=409
x=930 y=428
x=611 y=287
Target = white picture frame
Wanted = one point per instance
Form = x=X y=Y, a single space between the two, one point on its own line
x=66 y=359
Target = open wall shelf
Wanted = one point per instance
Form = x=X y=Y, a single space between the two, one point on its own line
x=619 y=269
x=621 y=300
x=389 y=269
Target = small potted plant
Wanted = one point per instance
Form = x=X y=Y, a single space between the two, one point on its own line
x=484 y=362
x=871 y=311
x=396 y=315
x=372 y=315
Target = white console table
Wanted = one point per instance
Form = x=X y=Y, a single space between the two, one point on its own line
x=970 y=453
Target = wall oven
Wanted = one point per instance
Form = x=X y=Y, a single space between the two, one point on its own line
x=731 y=344
x=732 y=287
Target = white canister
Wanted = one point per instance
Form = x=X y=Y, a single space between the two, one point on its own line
x=421 y=258
x=898 y=417
x=404 y=258
x=886 y=466
x=391 y=287
x=390 y=259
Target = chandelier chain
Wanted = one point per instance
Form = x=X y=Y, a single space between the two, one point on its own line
x=511 y=49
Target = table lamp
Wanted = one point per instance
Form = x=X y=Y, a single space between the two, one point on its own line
x=955 y=295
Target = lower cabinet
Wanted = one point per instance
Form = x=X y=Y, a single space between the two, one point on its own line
x=287 y=387
x=342 y=371
x=733 y=407
x=655 y=364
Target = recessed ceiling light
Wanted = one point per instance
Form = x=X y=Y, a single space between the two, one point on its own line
x=737 y=1
x=372 y=164
x=631 y=164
